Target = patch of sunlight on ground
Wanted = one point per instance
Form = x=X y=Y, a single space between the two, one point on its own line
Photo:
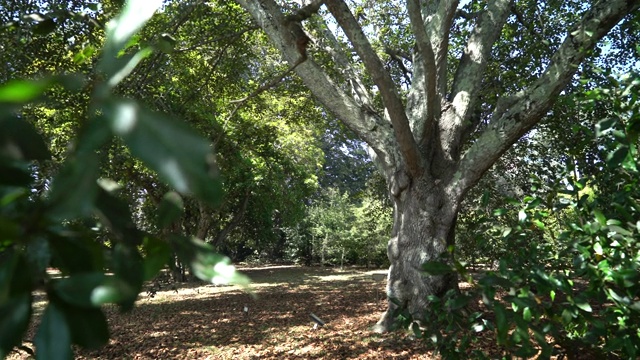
x=348 y=275
x=157 y=333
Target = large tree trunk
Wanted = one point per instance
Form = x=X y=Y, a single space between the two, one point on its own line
x=424 y=226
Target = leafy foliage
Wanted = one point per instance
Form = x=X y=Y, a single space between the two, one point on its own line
x=581 y=295
x=349 y=230
x=57 y=228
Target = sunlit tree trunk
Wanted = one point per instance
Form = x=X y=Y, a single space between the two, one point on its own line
x=424 y=226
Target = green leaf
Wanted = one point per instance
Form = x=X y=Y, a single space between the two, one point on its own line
x=112 y=291
x=626 y=277
x=12 y=196
x=114 y=213
x=77 y=289
x=53 y=339
x=484 y=201
x=584 y=306
x=615 y=158
x=20 y=281
x=526 y=351
x=119 y=30
x=416 y=330
x=166 y=43
x=629 y=162
x=19 y=140
x=93 y=135
x=22 y=91
x=526 y=314
x=492 y=279
x=45 y=27
x=616 y=297
x=170 y=209
x=602 y=220
x=90 y=290
x=206 y=263
x=535 y=202
x=128 y=266
x=437 y=268
x=459 y=302
x=15 y=175
x=88 y=327
x=179 y=155
x=71 y=82
x=86 y=54
x=75 y=189
x=7 y=268
x=498 y=212
x=14 y=319
x=620 y=230
x=604 y=126
x=38 y=256
x=120 y=68
x=157 y=255
x=9 y=231
x=502 y=326
x=73 y=254
x=597 y=248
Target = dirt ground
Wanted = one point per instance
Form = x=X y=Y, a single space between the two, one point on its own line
x=201 y=321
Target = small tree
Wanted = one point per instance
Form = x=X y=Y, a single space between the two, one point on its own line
x=331 y=220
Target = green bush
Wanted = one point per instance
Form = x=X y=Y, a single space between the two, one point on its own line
x=576 y=292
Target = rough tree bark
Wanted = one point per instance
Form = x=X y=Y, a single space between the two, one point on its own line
x=417 y=140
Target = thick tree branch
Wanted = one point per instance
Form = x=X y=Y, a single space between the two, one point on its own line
x=466 y=15
x=468 y=77
x=269 y=16
x=383 y=81
x=427 y=57
x=306 y=11
x=438 y=17
x=516 y=115
x=397 y=57
x=359 y=91
x=238 y=215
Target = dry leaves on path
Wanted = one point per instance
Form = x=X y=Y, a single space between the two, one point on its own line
x=207 y=322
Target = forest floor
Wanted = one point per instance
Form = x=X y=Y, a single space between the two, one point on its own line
x=201 y=321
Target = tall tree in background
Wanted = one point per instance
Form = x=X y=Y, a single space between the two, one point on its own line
x=206 y=54
x=461 y=84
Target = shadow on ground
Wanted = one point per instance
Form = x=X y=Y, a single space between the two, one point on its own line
x=209 y=322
